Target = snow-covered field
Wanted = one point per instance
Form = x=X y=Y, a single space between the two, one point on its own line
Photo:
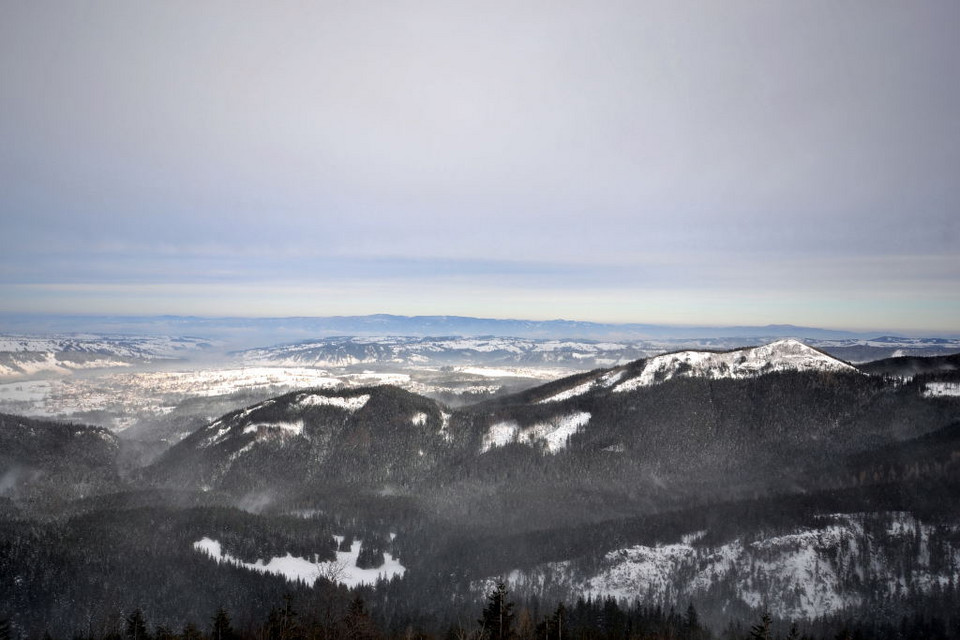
x=343 y=570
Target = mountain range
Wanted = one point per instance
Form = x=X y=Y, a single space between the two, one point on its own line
x=251 y=331
x=655 y=431
x=775 y=477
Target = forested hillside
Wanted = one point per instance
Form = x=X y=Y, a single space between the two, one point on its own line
x=775 y=479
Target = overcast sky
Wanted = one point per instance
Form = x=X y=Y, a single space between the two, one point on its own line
x=663 y=162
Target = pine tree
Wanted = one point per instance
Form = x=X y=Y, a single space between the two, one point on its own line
x=558 y=623
x=282 y=623
x=497 y=620
x=191 y=632
x=794 y=632
x=222 y=629
x=357 y=623
x=761 y=631
x=136 y=628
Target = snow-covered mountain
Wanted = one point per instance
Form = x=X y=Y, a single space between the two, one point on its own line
x=575 y=354
x=779 y=356
x=363 y=435
x=711 y=424
x=24 y=355
x=398 y=350
x=783 y=355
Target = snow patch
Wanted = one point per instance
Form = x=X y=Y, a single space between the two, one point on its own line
x=554 y=433
x=419 y=419
x=445 y=426
x=941 y=390
x=351 y=403
x=294 y=428
x=573 y=392
x=499 y=434
x=343 y=569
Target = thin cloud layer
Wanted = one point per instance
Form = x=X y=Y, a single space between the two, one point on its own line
x=573 y=155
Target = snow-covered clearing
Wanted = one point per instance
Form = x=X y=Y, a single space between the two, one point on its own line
x=343 y=570
x=941 y=389
x=553 y=433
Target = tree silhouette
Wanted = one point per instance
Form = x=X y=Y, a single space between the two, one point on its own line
x=222 y=629
x=497 y=620
x=761 y=630
x=136 y=628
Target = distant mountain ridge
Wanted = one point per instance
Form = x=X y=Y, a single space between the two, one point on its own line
x=254 y=331
x=343 y=351
x=26 y=355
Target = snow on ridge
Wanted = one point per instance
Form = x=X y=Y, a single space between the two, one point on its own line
x=294 y=428
x=553 y=433
x=221 y=432
x=782 y=355
x=349 y=403
x=608 y=379
x=572 y=392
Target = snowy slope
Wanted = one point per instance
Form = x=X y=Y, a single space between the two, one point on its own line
x=807 y=573
x=552 y=433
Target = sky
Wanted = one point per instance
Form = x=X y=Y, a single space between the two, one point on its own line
x=698 y=163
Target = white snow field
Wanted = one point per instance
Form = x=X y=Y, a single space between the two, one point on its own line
x=343 y=570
